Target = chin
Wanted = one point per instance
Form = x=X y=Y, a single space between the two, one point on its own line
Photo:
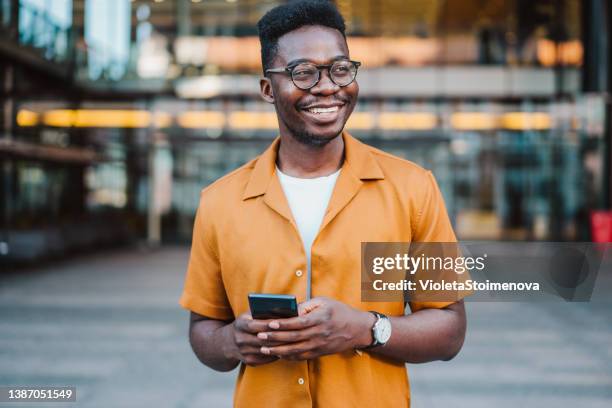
x=317 y=138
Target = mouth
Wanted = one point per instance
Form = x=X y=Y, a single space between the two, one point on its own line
x=323 y=114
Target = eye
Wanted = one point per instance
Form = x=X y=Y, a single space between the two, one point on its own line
x=341 y=69
x=302 y=71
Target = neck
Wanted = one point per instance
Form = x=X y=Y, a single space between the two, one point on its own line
x=299 y=160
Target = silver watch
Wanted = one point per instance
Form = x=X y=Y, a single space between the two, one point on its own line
x=381 y=331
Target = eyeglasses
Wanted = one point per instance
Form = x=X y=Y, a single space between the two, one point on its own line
x=305 y=75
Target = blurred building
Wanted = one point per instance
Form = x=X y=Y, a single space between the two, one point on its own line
x=116 y=113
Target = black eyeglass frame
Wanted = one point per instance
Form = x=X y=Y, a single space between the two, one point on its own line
x=289 y=70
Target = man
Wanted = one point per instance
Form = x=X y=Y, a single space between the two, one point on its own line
x=292 y=221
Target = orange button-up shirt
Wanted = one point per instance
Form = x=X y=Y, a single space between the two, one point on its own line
x=245 y=240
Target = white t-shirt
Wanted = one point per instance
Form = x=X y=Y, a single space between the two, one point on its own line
x=308 y=199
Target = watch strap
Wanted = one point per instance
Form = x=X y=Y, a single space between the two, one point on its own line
x=375 y=341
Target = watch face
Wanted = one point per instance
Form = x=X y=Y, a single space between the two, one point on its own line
x=383 y=330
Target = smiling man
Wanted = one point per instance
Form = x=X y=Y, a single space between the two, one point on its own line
x=292 y=220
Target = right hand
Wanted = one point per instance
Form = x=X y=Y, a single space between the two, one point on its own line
x=242 y=342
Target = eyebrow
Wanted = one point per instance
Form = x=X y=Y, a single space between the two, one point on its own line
x=300 y=60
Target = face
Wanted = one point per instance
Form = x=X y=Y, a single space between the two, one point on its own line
x=317 y=115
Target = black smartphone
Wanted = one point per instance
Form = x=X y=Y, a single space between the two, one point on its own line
x=267 y=306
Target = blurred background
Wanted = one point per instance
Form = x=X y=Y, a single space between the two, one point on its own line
x=116 y=113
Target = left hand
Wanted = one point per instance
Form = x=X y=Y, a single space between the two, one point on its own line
x=323 y=326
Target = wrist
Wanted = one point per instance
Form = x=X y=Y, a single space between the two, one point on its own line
x=364 y=337
x=229 y=348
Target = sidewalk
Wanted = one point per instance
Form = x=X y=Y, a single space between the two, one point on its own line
x=110 y=325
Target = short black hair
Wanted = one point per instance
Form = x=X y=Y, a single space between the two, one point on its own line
x=291 y=16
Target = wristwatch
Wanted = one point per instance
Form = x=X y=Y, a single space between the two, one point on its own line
x=381 y=331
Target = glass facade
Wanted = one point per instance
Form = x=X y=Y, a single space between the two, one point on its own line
x=154 y=100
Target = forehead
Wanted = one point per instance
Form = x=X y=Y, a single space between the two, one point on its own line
x=315 y=43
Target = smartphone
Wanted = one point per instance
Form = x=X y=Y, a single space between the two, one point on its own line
x=267 y=306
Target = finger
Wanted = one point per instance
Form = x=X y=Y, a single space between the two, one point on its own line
x=289 y=349
x=247 y=350
x=289 y=336
x=297 y=323
x=247 y=339
x=251 y=325
x=310 y=305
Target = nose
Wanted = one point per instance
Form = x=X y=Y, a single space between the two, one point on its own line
x=325 y=86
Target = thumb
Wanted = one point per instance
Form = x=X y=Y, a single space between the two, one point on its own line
x=309 y=305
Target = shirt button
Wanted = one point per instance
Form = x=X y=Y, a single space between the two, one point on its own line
x=301 y=381
x=298 y=273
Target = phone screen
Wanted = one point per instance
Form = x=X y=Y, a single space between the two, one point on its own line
x=269 y=306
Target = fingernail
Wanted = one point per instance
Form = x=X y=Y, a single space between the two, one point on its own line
x=274 y=325
x=262 y=335
x=265 y=350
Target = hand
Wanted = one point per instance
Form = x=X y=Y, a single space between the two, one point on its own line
x=324 y=326
x=242 y=342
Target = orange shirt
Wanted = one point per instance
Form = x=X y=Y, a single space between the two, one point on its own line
x=245 y=240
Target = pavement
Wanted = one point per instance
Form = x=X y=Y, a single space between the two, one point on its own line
x=109 y=324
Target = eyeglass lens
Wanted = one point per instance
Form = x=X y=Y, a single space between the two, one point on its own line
x=306 y=75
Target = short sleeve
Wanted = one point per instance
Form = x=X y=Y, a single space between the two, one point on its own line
x=204 y=291
x=433 y=225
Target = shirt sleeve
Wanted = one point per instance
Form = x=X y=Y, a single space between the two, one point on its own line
x=432 y=225
x=204 y=292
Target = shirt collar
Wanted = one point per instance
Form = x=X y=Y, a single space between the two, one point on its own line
x=357 y=158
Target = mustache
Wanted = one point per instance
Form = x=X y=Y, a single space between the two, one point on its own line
x=333 y=99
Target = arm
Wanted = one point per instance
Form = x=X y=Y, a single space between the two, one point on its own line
x=426 y=335
x=222 y=345
x=326 y=326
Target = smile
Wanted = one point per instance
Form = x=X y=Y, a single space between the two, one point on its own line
x=323 y=115
x=323 y=110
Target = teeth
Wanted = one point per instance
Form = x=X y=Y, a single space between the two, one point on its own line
x=323 y=110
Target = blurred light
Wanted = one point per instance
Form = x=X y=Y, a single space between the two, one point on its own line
x=99 y=118
x=201 y=120
x=526 y=120
x=109 y=197
x=59 y=118
x=191 y=50
x=116 y=118
x=143 y=12
x=162 y=120
x=405 y=120
x=478 y=224
x=159 y=1
x=360 y=121
x=253 y=120
x=473 y=121
x=153 y=57
x=202 y=87
x=196 y=1
x=113 y=118
x=563 y=53
x=243 y=53
x=459 y=147
x=27 y=118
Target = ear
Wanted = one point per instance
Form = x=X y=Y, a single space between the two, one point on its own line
x=265 y=90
